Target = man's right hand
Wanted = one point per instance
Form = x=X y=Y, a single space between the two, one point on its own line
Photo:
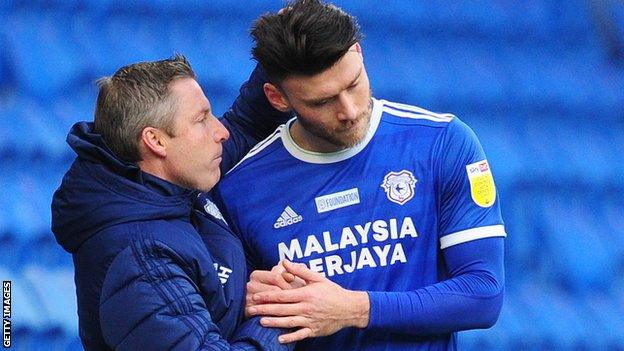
x=275 y=279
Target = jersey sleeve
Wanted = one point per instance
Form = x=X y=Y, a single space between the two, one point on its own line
x=468 y=201
x=470 y=299
x=250 y=119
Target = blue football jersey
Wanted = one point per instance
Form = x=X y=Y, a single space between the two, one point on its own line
x=374 y=217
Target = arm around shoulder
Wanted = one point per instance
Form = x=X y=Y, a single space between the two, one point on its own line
x=250 y=119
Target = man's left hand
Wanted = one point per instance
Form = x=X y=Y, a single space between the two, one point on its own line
x=320 y=308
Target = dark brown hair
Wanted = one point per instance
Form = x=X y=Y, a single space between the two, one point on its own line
x=306 y=38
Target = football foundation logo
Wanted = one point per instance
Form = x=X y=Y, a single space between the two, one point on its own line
x=399 y=187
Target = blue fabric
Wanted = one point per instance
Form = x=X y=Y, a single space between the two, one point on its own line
x=390 y=216
x=155 y=266
x=472 y=298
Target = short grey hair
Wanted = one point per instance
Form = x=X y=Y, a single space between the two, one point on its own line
x=135 y=97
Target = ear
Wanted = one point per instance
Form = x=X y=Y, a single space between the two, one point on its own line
x=275 y=97
x=154 y=141
x=358 y=47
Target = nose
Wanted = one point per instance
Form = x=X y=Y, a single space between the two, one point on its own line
x=221 y=133
x=348 y=110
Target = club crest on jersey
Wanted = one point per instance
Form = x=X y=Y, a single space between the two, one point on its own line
x=399 y=187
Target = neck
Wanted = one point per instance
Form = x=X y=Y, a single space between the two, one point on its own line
x=310 y=142
x=153 y=168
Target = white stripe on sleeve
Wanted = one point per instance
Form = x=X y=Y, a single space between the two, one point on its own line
x=472 y=234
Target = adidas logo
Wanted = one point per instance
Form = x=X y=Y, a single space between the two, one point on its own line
x=287 y=218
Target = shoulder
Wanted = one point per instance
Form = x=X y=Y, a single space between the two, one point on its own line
x=263 y=150
x=405 y=114
x=146 y=240
x=451 y=127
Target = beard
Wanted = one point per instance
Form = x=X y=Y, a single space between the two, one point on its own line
x=346 y=135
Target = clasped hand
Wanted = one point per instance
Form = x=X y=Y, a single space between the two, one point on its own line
x=293 y=297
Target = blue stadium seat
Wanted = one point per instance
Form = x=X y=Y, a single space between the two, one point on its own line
x=504 y=145
x=44 y=251
x=77 y=105
x=214 y=49
x=40 y=40
x=124 y=39
x=607 y=313
x=582 y=258
x=5 y=74
x=27 y=313
x=611 y=207
x=31 y=214
x=74 y=344
x=524 y=231
x=57 y=296
x=28 y=191
x=511 y=326
x=16 y=210
x=572 y=21
x=15 y=140
x=87 y=33
x=53 y=339
x=614 y=136
x=46 y=133
x=161 y=7
x=532 y=79
x=219 y=101
x=557 y=320
x=5 y=6
x=11 y=245
x=24 y=340
x=578 y=152
x=502 y=336
x=483 y=19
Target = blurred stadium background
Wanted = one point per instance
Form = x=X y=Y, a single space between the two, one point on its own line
x=541 y=82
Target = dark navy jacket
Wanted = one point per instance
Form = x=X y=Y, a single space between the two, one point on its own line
x=156 y=268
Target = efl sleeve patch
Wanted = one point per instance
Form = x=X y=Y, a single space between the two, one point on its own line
x=482 y=187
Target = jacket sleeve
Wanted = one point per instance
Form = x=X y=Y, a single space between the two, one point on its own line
x=149 y=302
x=250 y=119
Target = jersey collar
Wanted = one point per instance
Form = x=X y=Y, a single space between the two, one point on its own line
x=331 y=157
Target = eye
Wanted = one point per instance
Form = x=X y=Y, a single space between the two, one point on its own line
x=353 y=86
x=321 y=102
x=203 y=118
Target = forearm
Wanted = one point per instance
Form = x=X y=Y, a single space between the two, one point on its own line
x=471 y=299
x=440 y=308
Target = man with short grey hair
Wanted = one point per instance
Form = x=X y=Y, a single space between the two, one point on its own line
x=156 y=266
x=135 y=97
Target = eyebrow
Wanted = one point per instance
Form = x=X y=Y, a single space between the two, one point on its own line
x=321 y=99
x=202 y=112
